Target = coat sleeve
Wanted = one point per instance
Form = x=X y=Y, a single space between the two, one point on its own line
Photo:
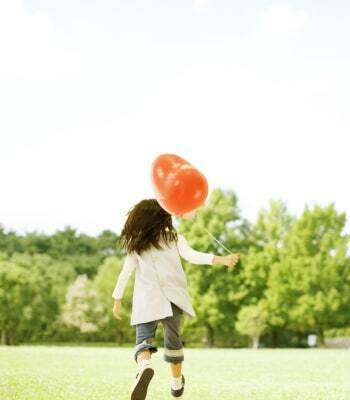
x=191 y=255
x=128 y=267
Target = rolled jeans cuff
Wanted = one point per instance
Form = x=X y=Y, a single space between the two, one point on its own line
x=173 y=356
x=144 y=346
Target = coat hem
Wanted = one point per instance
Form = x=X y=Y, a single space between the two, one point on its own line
x=133 y=323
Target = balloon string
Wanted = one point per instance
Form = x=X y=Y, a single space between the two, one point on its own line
x=218 y=241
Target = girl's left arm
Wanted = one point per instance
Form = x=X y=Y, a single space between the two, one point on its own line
x=197 y=257
x=191 y=255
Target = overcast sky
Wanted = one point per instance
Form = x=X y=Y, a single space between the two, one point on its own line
x=255 y=94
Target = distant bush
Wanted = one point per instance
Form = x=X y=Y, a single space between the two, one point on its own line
x=341 y=332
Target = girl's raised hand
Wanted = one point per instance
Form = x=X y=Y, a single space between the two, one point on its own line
x=117 y=307
x=232 y=260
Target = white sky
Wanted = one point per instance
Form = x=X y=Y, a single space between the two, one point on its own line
x=255 y=94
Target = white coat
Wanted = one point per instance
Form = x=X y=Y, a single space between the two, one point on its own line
x=159 y=280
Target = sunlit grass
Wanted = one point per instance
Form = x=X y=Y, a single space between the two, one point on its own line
x=83 y=373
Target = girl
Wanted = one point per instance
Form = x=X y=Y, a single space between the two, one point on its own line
x=160 y=292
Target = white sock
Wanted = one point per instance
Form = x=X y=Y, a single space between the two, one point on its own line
x=176 y=383
x=144 y=363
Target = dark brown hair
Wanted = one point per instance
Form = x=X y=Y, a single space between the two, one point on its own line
x=146 y=224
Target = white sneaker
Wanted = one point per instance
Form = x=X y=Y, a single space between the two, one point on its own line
x=143 y=378
x=179 y=392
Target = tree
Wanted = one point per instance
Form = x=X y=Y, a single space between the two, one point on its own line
x=82 y=313
x=107 y=243
x=31 y=291
x=85 y=253
x=15 y=293
x=309 y=288
x=267 y=241
x=252 y=322
x=10 y=242
x=214 y=289
x=81 y=250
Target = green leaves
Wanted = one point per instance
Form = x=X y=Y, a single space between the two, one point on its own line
x=32 y=287
x=309 y=286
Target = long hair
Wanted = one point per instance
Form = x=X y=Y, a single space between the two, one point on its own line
x=147 y=223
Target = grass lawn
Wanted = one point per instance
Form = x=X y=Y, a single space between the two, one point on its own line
x=98 y=373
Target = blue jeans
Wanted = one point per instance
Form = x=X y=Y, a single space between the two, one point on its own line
x=173 y=344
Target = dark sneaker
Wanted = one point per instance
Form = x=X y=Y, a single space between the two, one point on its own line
x=143 y=378
x=179 y=392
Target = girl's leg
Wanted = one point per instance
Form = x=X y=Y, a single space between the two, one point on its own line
x=173 y=344
x=173 y=350
x=143 y=355
x=176 y=369
x=144 y=336
x=144 y=346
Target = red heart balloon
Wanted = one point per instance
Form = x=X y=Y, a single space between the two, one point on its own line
x=179 y=187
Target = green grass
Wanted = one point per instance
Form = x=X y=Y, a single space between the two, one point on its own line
x=83 y=373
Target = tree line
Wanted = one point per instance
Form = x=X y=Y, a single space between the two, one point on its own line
x=292 y=280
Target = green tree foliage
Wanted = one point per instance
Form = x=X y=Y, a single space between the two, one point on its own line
x=267 y=241
x=309 y=288
x=214 y=289
x=10 y=242
x=83 y=252
x=269 y=232
x=34 y=259
x=31 y=290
